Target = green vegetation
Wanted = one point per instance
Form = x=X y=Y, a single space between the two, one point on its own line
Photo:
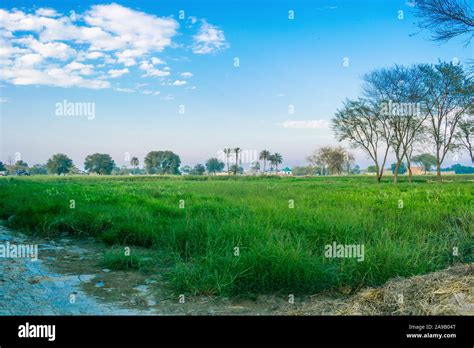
x=280 y=249
x=118 y=260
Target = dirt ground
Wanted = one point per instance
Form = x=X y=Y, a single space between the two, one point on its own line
x=68 y=280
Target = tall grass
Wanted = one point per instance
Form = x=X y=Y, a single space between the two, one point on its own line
x=280 y=249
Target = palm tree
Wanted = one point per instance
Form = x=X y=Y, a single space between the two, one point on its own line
x=276 y=160
x=227 y=152
x=237 y=150
x=271 y=159
x=264 y=156
x=134 y=162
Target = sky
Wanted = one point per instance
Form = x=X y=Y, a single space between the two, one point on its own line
x=192 y=76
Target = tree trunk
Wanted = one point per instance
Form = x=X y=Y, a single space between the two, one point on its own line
x=236 y=163
x=410 y=174
x=438 y=171
x=395 y=174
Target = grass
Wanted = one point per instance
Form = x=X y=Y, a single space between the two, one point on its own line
x=280 y=250
x=119 y=260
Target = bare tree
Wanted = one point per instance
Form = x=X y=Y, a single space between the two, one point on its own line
x=446 y=19
x=398 y=92
x=361 y=123
x=333 y=160
x=465 y=136
x=450 y=95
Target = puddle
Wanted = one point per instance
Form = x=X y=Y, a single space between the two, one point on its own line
x=67 y=279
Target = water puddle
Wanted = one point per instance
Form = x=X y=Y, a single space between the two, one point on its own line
x=67 y=279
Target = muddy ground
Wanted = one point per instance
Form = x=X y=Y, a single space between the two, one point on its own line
x=67 y=279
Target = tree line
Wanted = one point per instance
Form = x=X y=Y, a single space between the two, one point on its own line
x=402 y=108
x=155 y=162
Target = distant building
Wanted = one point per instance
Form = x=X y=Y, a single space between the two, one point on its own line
x=417 y=170
x=286 y=171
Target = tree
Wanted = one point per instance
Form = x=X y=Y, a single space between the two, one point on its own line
x=275 y=160
x=213 y=165
x=465 y=136
x=363 y=125
x=227 y=152
x=59 y=164
x=349 y=160
x=162 y=162
x=399 y=93
x=460 y=169
x=425 y=160
x=186 y=169
x=355 y=170
x=198 y=169
x=372 y=169
x=255 y=167
x=99 y=163
x=450 y=93
x=38 y=169
x=134 y=162
x=446 y=19
x=309 y=170
x=332 y=160
x=236 y=169
x=264 y=155
x=237 y=151
x=2 y=167
x=21 y=165
x=402 y=169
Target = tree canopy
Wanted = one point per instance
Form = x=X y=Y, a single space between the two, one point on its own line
x=162 y=162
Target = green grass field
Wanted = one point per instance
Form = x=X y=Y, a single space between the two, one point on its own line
x=281 y=249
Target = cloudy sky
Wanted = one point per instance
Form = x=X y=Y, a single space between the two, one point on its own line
x=193 y=76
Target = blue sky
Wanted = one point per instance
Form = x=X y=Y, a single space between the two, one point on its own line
x=141 y=63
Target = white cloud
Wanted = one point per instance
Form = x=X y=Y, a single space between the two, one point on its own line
x=91 y=55
x=156 y=61
x=46 y=12
x=143 y=32
x=52 y=48
x=117 y=73
x=148 y=92
x=209 y=39
x=57 y=50
x=179 y=83
x=51 y=76
x=28 y=60
x=124 y=90
x=314 y=124
x=151 y=70
x=81 y=69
